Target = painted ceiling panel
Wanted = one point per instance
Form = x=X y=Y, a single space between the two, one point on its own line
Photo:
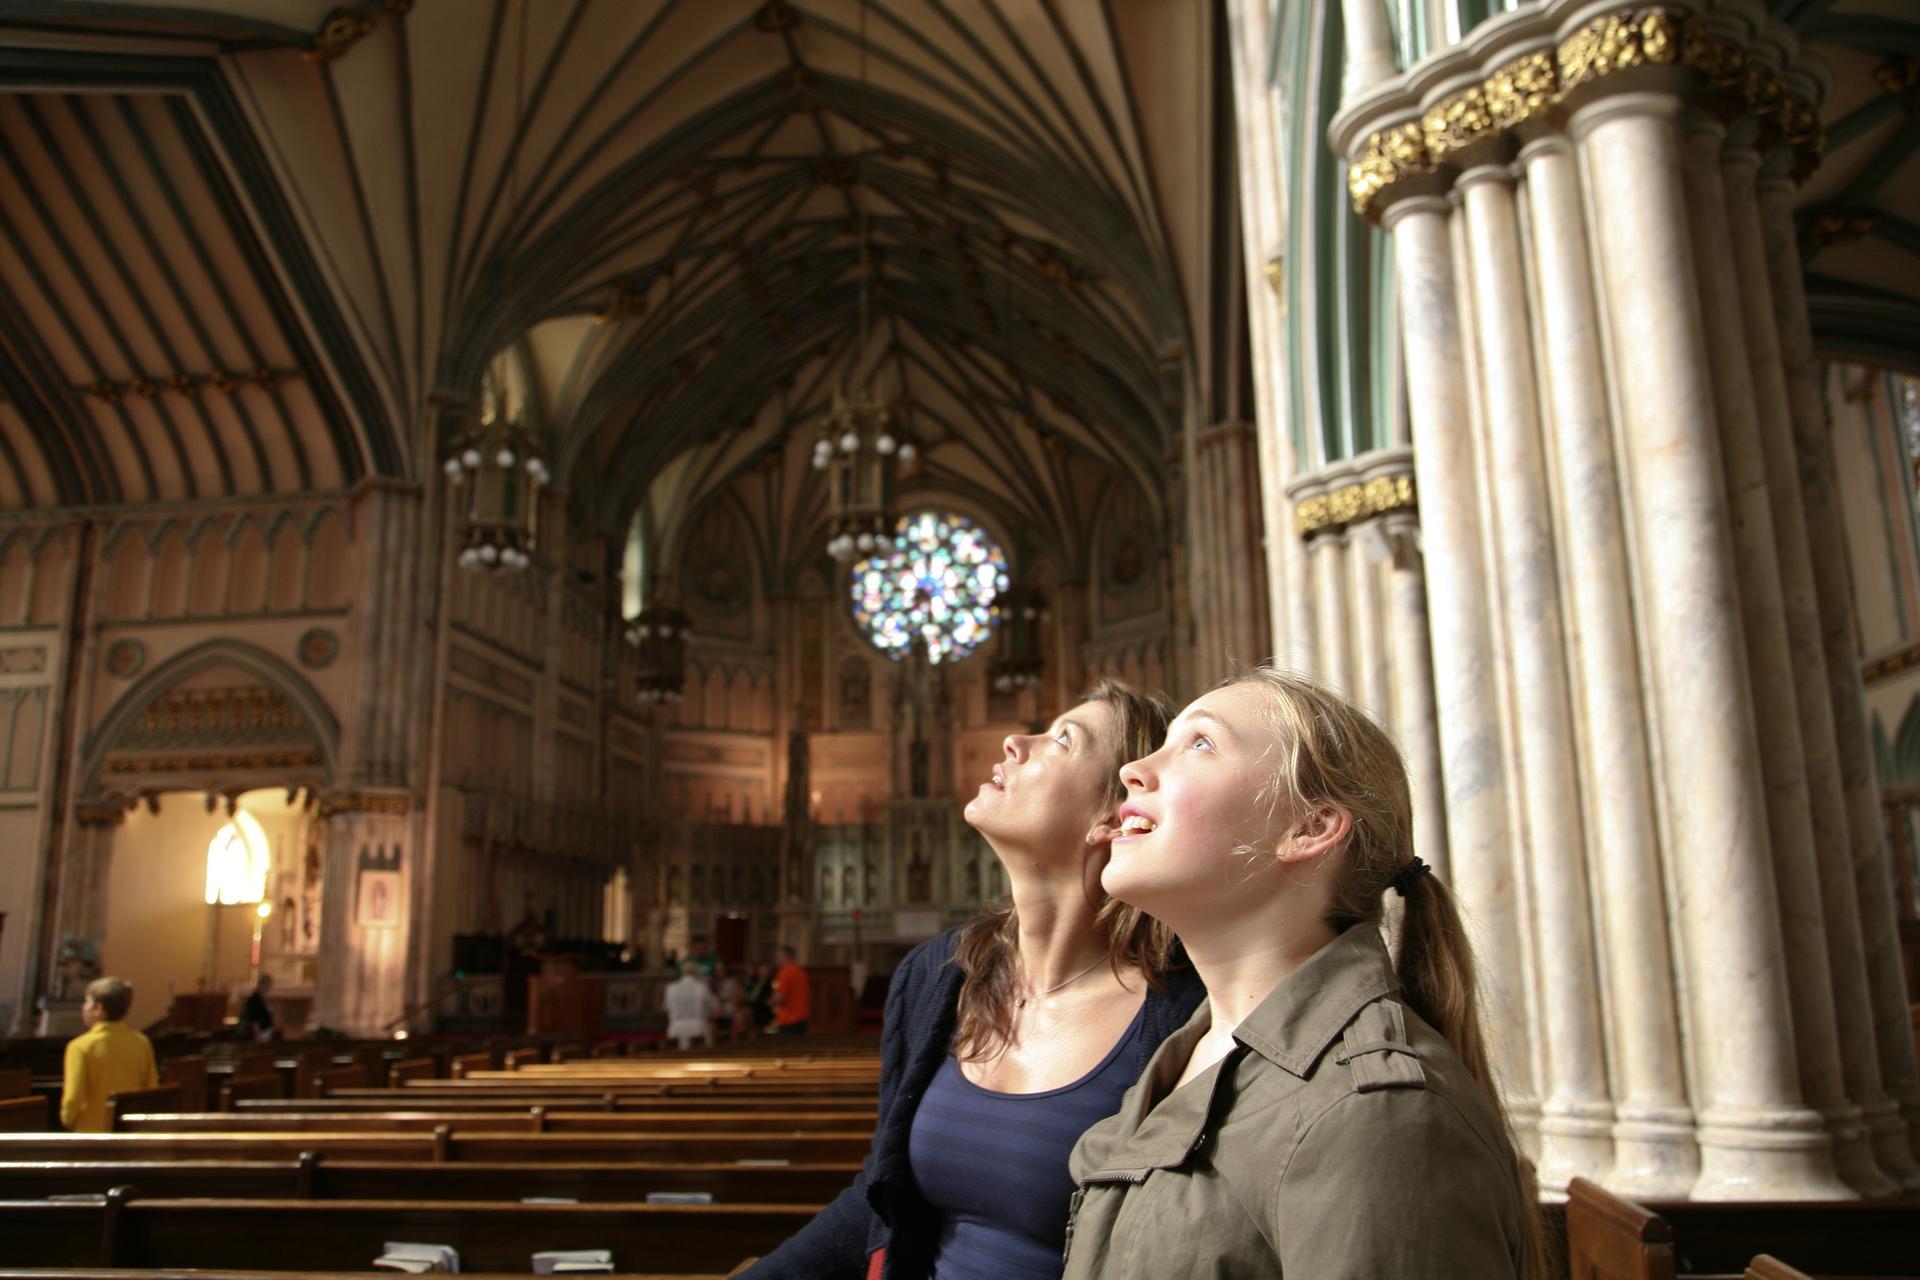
x=151 y=354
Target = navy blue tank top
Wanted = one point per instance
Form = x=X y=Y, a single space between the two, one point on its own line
x=995 y=1165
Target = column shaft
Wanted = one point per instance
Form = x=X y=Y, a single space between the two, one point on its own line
x=1756 y=1138
x=1466 y=704
x=1654 y=1153
x=1414 y=720
x=1372 y=678
x=1329 y=555
x=1826 y=538
x=1576 y=1112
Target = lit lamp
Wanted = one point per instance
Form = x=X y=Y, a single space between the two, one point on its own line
x=498 y=467
x=859 y=453
x=660 y=634
x=1021 y=659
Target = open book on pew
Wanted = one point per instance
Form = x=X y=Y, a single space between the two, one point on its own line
x=401 y=1256
x=561 y=1262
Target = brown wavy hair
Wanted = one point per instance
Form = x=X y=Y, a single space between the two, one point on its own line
x=988 y=949
x=1333 y=755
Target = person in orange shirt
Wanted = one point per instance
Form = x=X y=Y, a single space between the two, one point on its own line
x=109 y=1057
x=792 y=996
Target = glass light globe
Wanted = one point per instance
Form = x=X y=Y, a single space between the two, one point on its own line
x=452 y=468
x=666 y=632
x=907 y=451
x=489 y=553
x=470 y=459
x=504 y=458
x=821 y=461
x=849 y=442
x=885 y=444
x=642 y=631
x=865 y=542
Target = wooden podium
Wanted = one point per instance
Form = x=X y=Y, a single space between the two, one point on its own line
x=561 y=1001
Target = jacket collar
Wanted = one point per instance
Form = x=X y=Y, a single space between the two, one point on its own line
x=1299 y=1018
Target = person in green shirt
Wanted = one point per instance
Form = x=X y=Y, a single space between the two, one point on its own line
x=109 y=1057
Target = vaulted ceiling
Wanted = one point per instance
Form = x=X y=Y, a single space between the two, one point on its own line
x=249 y=246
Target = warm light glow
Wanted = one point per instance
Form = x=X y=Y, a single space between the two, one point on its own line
x=264 y=910
x=237 y=862
x=401 y=1034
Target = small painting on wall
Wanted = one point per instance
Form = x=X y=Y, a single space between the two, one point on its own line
x=378 y=906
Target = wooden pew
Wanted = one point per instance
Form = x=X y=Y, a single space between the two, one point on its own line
x=412 y=1069
x=189 y=1071
x=311 y=1177
x=125 y=1230
x=148 y=1103
x=16 y=1082
x=26 y=1115
x=259 y=1086
x=1610 y=1238
x=530 y=1120
x=758 y=1145
x=353 y=1102
x=351 y=1077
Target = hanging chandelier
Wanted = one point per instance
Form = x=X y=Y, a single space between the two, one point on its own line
x=1022 y=660
x=498 y=468
x=858 y=449
x=660 y=635
x=860 y=454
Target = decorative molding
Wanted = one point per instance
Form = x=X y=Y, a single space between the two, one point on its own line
x=23 y=659
x=317 y=648
x=99 y=813
x=345 y=28
x=1874 y=670
x=396 y=804
x=125 y=657
x=1338 y=508
x=1529 y=87
x=186 y=384
x=1837 y=226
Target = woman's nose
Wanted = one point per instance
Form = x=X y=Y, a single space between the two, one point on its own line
x=1015 y=746
x=1134 y=776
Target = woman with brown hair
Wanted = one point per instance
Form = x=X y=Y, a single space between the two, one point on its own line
x=1008 y=1036
x=1330 y=1112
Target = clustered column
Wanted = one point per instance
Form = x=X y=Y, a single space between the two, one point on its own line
x=1647 y=698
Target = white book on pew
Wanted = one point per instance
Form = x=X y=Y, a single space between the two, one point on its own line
x=679 y=1197
x=561 y=1262
x=403 y=1256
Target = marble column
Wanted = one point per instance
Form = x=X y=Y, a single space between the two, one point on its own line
x=1654 y=1152
x=1893 y=1028
x=1576 y=1114
x=1832 y=840
x=1328 y=555
x=1757 y=1138
x=1372 y=676
x=1466 y=699
x=1369 y=37
x=360 y=985
x=1770 y=664
x=1396 y=538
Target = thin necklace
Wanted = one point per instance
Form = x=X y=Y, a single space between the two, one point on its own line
x=1020 y=1002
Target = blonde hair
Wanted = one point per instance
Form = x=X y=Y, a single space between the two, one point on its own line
x=1333 y=755
x=113 y=995
x=988 y=948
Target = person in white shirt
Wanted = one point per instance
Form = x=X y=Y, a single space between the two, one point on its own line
x=690 y=1008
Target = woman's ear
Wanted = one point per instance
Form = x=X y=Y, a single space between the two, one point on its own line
x=1320 y=831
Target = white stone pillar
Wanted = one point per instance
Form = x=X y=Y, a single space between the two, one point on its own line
x=1832 y=839
x=1757 y=1139
x=1654 y=1152
x=1369 y=33
x=1893 y=1028
x=1576 y=1113
x=1770 y=665
x=1372 y=676
x=1466 y=699
x=1397 y=539
x=1328 y=554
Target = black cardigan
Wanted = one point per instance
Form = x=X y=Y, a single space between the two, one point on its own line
x=883 y=1208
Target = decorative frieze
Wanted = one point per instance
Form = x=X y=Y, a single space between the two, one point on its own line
x=1350 y=504
x=1528 y=87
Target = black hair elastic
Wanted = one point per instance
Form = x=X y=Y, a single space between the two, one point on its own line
x=1408 y=875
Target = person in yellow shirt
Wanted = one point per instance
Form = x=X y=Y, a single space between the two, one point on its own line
x=109 y=1057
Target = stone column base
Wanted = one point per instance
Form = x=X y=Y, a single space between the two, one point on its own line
x=1750 y=1154
x=1655 y=1155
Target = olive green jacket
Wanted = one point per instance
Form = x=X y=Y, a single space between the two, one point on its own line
x=1340 y=1138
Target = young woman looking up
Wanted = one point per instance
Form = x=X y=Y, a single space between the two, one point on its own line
x=1329 y=1113
x=1006 y=1037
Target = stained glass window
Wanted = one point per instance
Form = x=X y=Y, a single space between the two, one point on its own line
x=938 y=582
